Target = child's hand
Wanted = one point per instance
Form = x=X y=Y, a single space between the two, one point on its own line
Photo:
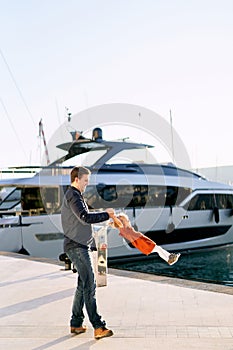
x=117 y=222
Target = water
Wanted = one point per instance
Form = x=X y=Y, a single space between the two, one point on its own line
x=209 y=265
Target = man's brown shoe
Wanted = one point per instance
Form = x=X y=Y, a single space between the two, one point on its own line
x=78 y=330
x=102 y=332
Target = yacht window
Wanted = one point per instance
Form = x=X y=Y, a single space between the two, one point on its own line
x=87 y=159
x=182 y=193
x=224 y=201
x=160 y=196
x=51 y=199
x=157 y=196
x=137 y=197
x=109 y=193
x=31 y=200
x=122 y=196
x=12 y=200
x=5 y=191
x=202 y=202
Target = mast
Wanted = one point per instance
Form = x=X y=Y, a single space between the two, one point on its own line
x=172 y=141
x=41 y=134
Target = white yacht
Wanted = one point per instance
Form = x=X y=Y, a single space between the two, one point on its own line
x=176 y=208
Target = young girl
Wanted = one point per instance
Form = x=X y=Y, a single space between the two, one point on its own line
x=140 y=241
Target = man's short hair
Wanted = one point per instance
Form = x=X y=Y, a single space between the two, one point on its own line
x=78 y=171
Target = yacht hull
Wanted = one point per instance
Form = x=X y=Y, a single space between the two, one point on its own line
x=41 y=236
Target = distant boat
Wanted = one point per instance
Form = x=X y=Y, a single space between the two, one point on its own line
x=177 y=208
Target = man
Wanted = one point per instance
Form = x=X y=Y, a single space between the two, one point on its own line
x=78 y=245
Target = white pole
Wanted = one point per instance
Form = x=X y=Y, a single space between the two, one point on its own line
x=172 y=142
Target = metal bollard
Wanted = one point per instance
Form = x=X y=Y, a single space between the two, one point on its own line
x=100 y=257
x=67 y=264
x=63 y=257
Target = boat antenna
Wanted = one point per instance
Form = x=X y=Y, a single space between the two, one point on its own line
x=68 y=114
x=42 y=134
x=172 y=141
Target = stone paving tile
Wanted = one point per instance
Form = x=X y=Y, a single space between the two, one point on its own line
x=150 y=332
x=144 y=313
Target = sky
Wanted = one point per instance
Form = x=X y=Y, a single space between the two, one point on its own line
x=163 y=55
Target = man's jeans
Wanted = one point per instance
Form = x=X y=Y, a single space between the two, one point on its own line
x=86 y=289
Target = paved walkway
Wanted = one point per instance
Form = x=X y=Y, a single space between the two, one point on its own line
x=144 y=311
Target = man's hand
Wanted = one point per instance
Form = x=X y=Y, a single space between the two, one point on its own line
x=111 y=212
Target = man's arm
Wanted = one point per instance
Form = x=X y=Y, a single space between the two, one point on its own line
x=80 y=210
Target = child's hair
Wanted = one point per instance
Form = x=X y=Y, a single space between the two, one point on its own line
x=121 y=220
